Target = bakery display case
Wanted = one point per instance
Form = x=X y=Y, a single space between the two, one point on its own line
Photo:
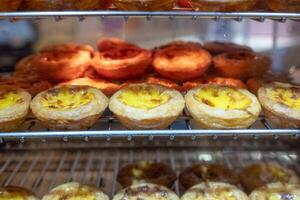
x=176 y=97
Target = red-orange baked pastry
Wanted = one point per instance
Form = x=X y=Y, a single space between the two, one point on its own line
x=253 y=84
x=178 y=43
x=25 y=68
x=85 y=4
x=284 y=5
x=154 y=79
x=40 y=5
x=216 y=47
x=9 y=5
x=241 y=65
x=108 y=44
x=193 y=84
x=144 y=5
x=107 y=87
x=122 y=62
x=223 y=5
x=181 y=62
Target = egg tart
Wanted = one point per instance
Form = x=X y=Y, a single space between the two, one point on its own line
x=277 y=191
x=241 y=65
x=108 y=44
x=121 y=62
x=15 y=193
x=14 y=107
x=146 y=191
x=222 y=107
x=214 y=190
x=146 y=106
x=181 y=62
x=257 y=175
x=9 y=5
x=223 y=5
x=216 y=47
x=69 y=107
x=73 y=190
x=26 y=68
x=281 y=104
x=284 y=5
x=144 y=5
x=107 y=87
x=199 y=173
x=147 y=172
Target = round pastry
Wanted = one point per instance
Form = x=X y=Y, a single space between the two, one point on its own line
x=241 y=65
x=69 y=107
x=277 y=191
x=9 y=5
x=214 y=190
x=222 y=107
x=281 y=104
x=107 y=87
x=145 y=5
x=181 y=62
x=284 y=6
x=108 y=44
x=188 y=85
x=14 y=107
x=146 y=191
x=147 y=172
x=223 y=5
x=73 y=190
x=68 y=48
x=146 y=106
x=258 y=175
x=226 y=82
x=199 y=173
x=33 y=87
x=122 y=62
x=13 y=192
x=253 y=85
x=216 y=47
x=25 y=68
x=178 y=43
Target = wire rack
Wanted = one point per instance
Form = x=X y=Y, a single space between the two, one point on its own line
x=238 y=16
x=40 y=169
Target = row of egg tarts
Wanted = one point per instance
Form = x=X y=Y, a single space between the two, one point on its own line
x=149 y=106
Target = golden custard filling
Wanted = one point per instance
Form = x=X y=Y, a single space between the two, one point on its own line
x=80 y=193
x=144 y=98
x=11 y=193
x=223 y=98
x=9 y=98
x=287 y=96
x=67 y=98
x=218 y=194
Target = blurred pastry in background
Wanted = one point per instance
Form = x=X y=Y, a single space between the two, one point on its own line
x=214 y=190
x=112 y=43
x=181 y=62
x=284 y=6
x=155 y=79
x=257 y=175
x=40 y=5
x=223 y=5
x=146 y=191
x=184 y=3
x=9 y=5
x=188 y=85
x=69 y=107
x=199 y=173
x=241 y=65
x=147 y=172
x=122 y=61
x=253 y=85
x=14 y=192
x=281 y=104
x=276 y=191
x=14 y=107
x=144 y=5
x=75 y=190
x=222 y=107
x=146 y=106
x=216 y=47
x=85 y=4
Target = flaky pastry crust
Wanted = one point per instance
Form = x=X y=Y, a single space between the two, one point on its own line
x=14 y=192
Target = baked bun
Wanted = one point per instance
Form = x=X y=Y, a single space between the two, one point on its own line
x=75 y=190
x=276 y=191
x=257 y=175
x=221 y=107
x=216 y=47
x=147 y=172
x=122 y=61
x=281 y=104
x=214 y=190
x=181 y=62
x=13 y=192
x=241 y=65
x=107 y=87
x=146 y=106
x=14 y=107
x=146 y=191
x=223 y=5
x=69 y=107
x=9 y=5
x=199 y=173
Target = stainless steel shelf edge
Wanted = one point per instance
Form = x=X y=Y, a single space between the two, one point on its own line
x=154 y=133
x=179 y=13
